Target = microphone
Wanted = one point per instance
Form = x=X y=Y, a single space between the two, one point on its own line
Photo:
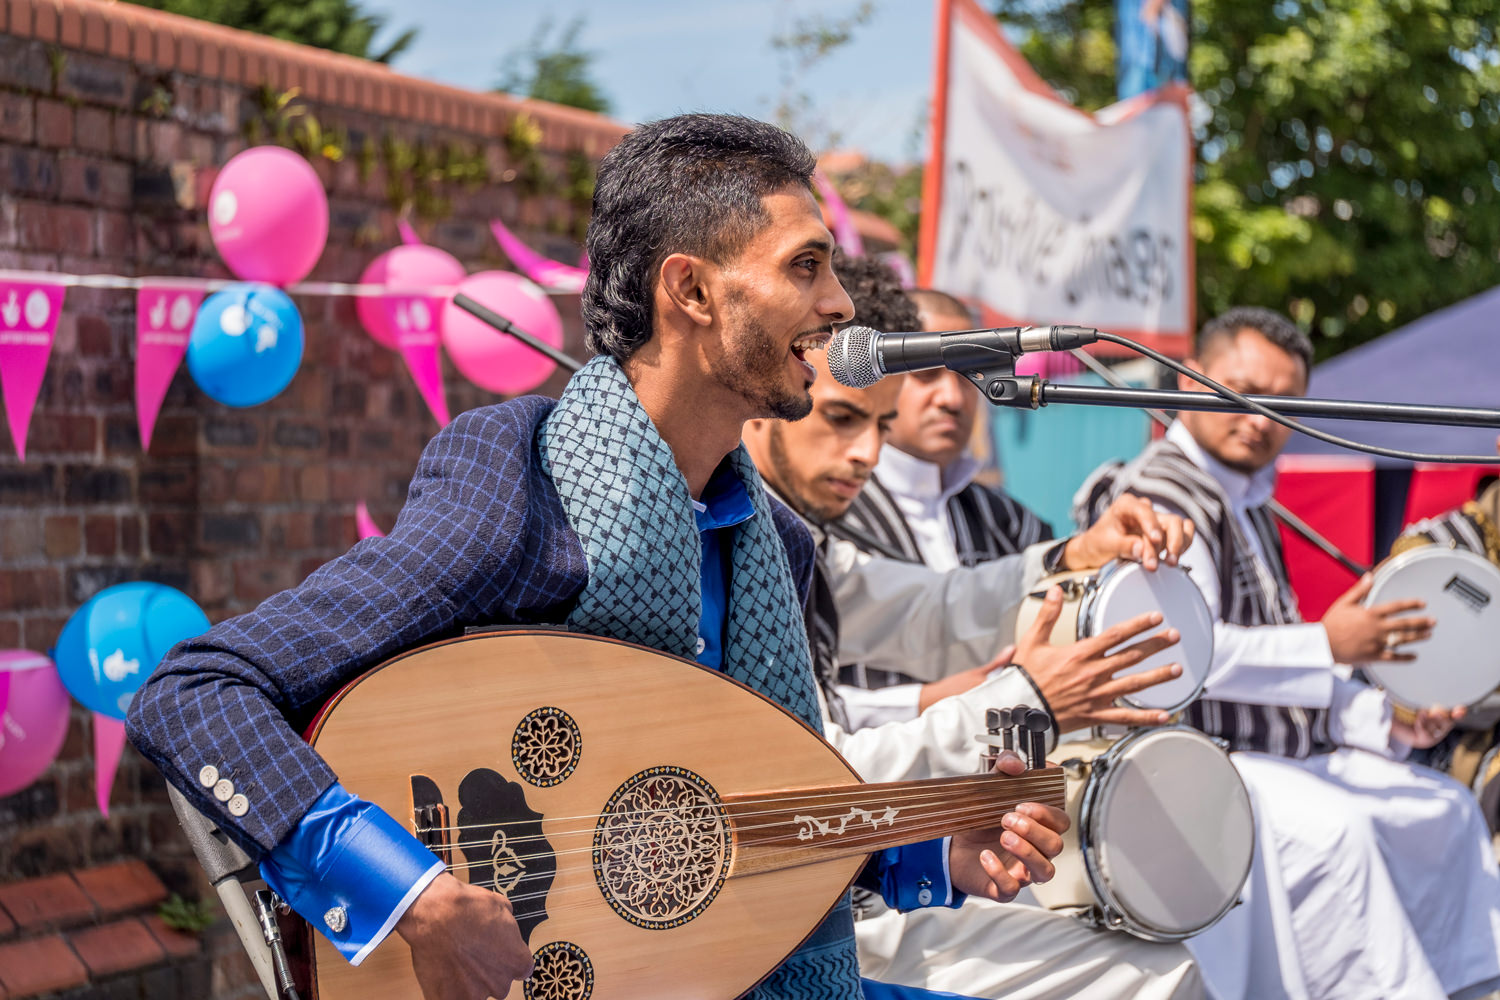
x=859 y=357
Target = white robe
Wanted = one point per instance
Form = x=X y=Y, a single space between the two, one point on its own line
x=1374 y=878
x=897 y=614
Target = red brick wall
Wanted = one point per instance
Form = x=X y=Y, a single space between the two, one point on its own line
x=112 y=121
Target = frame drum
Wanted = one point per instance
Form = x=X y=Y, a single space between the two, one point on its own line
x=1094 y=600
x=1460 y=664
x=1162 y=836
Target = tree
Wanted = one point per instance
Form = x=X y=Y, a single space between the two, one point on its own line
x=801 y=45
x=338 y=25
x=1347 y=170
x=558 y=73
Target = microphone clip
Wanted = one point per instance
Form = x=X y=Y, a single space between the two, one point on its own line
x=998 y=382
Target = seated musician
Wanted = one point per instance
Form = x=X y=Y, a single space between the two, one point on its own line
x=817 y=466
x=1469 y=753
x=1382 y=880
x=710 y=281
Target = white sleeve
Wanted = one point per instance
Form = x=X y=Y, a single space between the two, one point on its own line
x=1360 y=716
x=1262 y=664
x=938 y=743
x=903 y=616
x=866 y=707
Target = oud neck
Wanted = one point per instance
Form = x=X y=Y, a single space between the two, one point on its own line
x=799 y=826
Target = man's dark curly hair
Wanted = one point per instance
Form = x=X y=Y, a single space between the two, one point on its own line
x=1276 y=328
x=691 y=184
x=879 y=300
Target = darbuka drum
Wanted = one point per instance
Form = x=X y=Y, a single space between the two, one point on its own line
x=1095 y=600
x=1460 y=664
x=1162 y=833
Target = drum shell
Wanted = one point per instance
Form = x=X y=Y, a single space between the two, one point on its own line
x=1084 y=614
x=1082 y=879
x=1461 y=665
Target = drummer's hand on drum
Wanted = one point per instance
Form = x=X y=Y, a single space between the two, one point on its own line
x=1428 y=728
x=936 y=691
x=1129 y=529
x=1078 y=679
x=1360 y=634
x=996 y=863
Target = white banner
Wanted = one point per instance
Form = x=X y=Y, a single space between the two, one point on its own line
x=1045 y=214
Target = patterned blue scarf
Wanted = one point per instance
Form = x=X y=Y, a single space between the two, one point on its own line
x=630 y=507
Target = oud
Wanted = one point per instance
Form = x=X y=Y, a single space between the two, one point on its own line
x=660 y=830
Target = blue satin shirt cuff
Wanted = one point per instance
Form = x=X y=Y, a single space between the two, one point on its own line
x=916 y=876
x=350 y=855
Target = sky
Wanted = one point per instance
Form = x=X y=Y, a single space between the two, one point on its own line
x=654 y=58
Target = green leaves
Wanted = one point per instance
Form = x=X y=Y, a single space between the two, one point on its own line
x=1347 y=149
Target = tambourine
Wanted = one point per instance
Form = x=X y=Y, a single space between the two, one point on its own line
x=1094 y=600
x=1162 y=836
x=1460 y=663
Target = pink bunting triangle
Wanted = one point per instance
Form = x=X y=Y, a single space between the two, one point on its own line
x=109 y=741
x=408 y=234
x=548 y=273
x=415 y=320
x=844 y=232
x=29 y=312
x=163 y=324
x=365 y=523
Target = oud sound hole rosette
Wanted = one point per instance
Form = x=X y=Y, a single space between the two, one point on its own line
x=661 y=848
x=546 y=747
x=563 y=972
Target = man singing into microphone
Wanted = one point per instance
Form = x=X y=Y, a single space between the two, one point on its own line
x=626 y=509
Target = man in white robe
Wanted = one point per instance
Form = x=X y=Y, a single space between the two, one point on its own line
x=1378 y=879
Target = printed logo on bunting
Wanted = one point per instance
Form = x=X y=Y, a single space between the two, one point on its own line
x=163 y=325
x=1046 y=214
x=415 y=320
x=29 y=312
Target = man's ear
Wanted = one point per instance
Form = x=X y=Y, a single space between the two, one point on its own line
x=685 y=287
x=1186 y=384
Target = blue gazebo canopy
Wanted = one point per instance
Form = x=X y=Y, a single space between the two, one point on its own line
x=1449 y=357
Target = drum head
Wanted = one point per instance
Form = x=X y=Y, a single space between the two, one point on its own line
x=1126 y=590
x=1170 y=832
x=1460 y=664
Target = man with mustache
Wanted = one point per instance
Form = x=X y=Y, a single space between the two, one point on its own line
x=1346 y=826
x=819 y=466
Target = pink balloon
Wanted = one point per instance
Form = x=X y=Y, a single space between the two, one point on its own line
x=497 y=361
x=35 y=720
x=414 y=266
x=268 y=215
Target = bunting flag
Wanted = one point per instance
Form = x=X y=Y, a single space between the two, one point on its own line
x=550 y=274
x=1042 y=213
x=365 y=523
x=109 y=741
x=163 y=324
x=844 y=232
x=408 y=234
x=415 y=320
x=29 y=311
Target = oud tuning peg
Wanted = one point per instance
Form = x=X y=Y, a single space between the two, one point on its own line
x=1018 y=724
x=999 y=719
x=1037 y=724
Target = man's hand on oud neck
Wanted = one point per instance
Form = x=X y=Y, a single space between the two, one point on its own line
x=465 y=943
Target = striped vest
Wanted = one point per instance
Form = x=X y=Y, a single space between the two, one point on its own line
x=1252 y=591
x=987 y=524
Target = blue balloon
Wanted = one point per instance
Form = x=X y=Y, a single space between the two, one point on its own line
x=109 y=646
x=246 y=344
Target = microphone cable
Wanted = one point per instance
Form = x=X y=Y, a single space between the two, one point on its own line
x=1270 y=414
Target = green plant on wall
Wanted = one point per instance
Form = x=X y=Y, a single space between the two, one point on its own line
x=191 y=916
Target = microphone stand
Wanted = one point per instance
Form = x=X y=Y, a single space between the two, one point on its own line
x=1278 y=509
x=998 y=381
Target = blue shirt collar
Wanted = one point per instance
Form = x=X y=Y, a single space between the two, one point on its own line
x=725 y=501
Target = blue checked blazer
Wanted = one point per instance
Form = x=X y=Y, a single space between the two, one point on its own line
x=481 y=540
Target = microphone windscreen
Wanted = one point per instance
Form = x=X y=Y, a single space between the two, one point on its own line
x=851 y=357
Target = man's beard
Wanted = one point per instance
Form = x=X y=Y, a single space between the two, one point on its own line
x=754 y=366
x=786 y=481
